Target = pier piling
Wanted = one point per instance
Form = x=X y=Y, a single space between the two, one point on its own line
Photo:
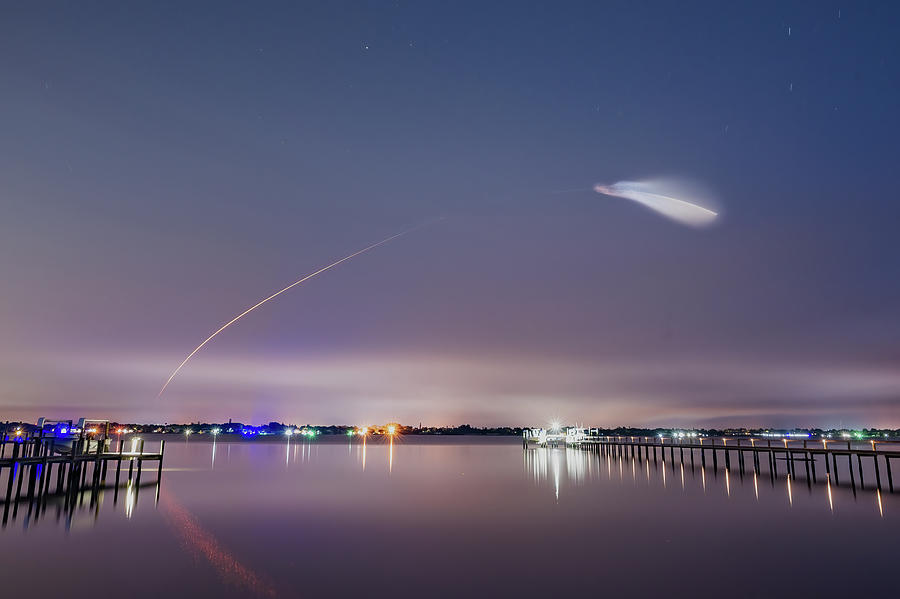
x=28 y=467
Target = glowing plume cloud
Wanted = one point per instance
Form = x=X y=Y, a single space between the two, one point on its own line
x=658 y=196
x=277 y=293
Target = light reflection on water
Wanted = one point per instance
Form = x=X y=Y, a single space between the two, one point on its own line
x=281 y=516
x=547 y=464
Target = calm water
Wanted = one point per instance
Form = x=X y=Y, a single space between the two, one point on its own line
x=452 y=517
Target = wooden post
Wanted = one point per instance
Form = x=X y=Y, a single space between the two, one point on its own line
x=32 y=481
x=19 y=488
x=162 y=449
x=877 y=473
x=71 y=473
x=42 y=480
x=812 y=458
x=118 y=471
x=806 y=455
x=834 y=467
x=140 y=462
x=862 y=480
x=47 y=481
x=12 y=475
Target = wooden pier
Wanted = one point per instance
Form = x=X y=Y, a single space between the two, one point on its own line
x=35 y=467
x=804 y=454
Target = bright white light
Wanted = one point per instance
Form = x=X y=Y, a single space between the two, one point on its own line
x=658 y=195
x=555 y=426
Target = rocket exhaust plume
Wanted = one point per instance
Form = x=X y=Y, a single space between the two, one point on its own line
x=277 y=293
x=659 y=196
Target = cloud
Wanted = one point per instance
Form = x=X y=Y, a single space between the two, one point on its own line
x=660 y=196
x=488 y=389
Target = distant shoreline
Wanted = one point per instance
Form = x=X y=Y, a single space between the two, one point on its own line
x=279 y=430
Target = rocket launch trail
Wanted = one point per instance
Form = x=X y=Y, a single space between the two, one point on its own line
x=277 y=293
x=659 y=197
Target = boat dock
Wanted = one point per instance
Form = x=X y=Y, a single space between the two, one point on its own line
x=806 y=454
x=38 y=464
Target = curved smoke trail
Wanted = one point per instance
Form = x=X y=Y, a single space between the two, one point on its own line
x=658 y=196
x=277 y=293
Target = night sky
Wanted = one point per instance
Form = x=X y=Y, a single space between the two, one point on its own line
x=163 y=166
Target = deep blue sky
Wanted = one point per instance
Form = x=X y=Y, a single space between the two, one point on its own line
x=165 y=165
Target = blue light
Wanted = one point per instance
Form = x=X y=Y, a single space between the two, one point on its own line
x=63 y=431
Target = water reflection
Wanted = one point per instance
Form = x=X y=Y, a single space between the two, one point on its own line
x=256 y=524
x=201 y=543
x=573 y=466
x=129 y=499
x=83 y=504
x=828 y=487
x=563 y=464
x=560 y=470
